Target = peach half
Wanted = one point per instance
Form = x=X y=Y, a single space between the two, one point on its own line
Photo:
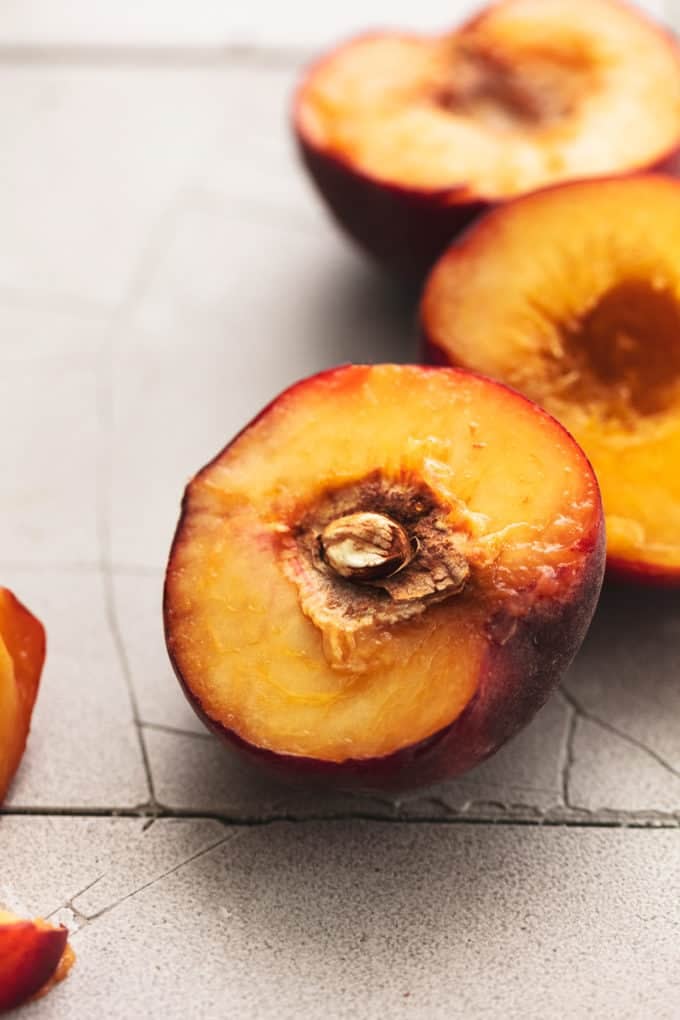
x=34 y=956
x=382 y=578
x=22 y=654
x=409 y=137
x=572 y=295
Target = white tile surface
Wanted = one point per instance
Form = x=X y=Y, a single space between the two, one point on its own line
x=347 y=920
x=626 y=746
x=626 y=675
x=83 y=750
x=161 y=703
x=78 y=850
x=609 y=774
x=212 y=23
x=525 y=778
x=238 y=308
x=151 y=852
x=48 y=442
x=94 y=164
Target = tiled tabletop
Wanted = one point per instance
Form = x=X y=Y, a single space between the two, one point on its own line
x=164 y=271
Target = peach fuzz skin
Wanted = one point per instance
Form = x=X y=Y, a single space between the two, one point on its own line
x=32 y=955
x=22 y=655
x=516 y=675
x=403 y=227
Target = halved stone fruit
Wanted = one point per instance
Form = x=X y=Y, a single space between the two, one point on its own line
x=34 y=956
x=408 y=137
x=383 y=576
x=572 y=295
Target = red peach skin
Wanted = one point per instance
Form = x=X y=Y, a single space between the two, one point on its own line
x=30 y=954
x=403 y=229
x=22 y=655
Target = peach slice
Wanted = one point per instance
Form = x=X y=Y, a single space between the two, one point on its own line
x=22 y=654
x=572 y=295
x=383 y=576
x=409 y=137
x=34 y=956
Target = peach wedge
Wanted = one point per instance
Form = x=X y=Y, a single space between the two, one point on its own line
x=572 y=295
x=22 y=654
x=409 y=137
x=34 y=956
x=382 y=578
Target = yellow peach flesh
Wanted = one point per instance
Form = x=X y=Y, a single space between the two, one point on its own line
x=9 y=716
x=580 y=290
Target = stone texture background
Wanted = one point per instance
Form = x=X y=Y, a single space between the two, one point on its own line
x=164 y=270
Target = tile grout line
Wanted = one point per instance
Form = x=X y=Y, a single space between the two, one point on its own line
x=45 y=565
x=582 y=713
x=68 y=305
x=204 y=851
x=201 y=55
x=204 y=734
x=568 y=750
x=147 y=261
x=112 y=619
x=149 y=56
x=155 y=814
x=83 y=567
x=105 y=424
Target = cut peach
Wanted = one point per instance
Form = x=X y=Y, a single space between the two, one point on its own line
x=22 y=654
x=572 y=295
x=383 y=576
x=409 y=137
x=34 y=956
